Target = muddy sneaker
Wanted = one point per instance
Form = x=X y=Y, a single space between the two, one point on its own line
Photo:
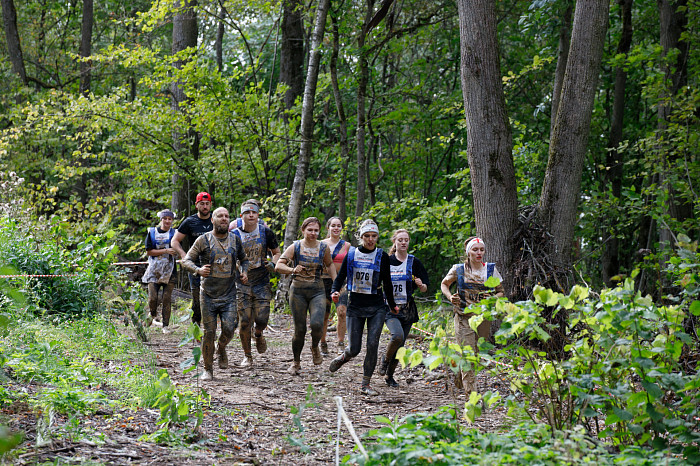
x=295 y=368
x=316 y=353
x=167 y=330
x=383 y=366
x=207 y=375
x=324 y=349
x=247 y=361
x=367 y=390
x=223 y=358
x=341 y=345
x=390 y=381
x=336 y=363
x=260 y=343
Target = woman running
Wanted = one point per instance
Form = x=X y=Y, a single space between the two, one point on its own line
x=470 y=277
x=160 y=273
x=306 y=259
x=366 y=272
x=407 y=275
x=339 y=249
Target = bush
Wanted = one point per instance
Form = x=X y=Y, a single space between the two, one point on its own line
x=85 y=262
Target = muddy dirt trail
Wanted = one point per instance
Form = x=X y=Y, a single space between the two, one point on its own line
x=250 y=417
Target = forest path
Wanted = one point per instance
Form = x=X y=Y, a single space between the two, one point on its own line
x=252 y=408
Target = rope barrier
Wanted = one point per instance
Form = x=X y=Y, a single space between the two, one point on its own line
x=348 y=423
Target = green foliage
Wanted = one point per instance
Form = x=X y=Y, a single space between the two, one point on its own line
x=85 y=264
x=297 y=414
x=177 y=408
x=422 y=439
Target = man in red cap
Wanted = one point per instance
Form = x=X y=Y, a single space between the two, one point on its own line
x=192 y=228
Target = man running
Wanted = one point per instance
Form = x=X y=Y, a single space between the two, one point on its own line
x=254 y=297
x=217 y=252
x=192 y=228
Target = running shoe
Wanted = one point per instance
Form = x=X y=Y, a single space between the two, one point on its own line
x=260 y=343
x=369 y=391
x=207 y=375
x=223 y=358
x=316 y=353
x=247 y=361
x=336 y=363
x=389 y=379
x=295 y=368
x=324 y=349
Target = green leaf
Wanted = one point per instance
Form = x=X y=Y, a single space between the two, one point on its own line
x=382 y=419
x=695 y=308
x=492 y=282
x=652 y=389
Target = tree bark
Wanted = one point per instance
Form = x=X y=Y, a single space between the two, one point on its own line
x=219 y=43
x=86 y=46
x=489 y=140
x=673 y=23
x=184 y=36
x=567 y=149
x=292 y=51
x=613 y=175
x=307 y=125
x=14 y=47
x=562 y=58
x=342 y=122
x=360 y=139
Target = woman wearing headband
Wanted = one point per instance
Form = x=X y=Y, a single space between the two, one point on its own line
x=339 y=249
x=306 y=259
x=407 y=275
x=161 y=267
x=366 y=272
x=470 y=277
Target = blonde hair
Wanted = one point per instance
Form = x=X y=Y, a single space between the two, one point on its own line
x=393 y=239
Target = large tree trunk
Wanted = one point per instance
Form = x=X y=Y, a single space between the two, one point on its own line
x=307 y=125
x=489 y=140
x=567 y=149
x=562 y=58
x=86 y=46
x=673 y=22
x=342 y=123
x=184 y=36
x=292 y=52
x=610 y=262
x=14 y=47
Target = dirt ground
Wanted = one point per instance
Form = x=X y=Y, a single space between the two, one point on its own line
x=250 y=418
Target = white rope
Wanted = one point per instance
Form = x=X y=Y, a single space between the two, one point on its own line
x=351 y=429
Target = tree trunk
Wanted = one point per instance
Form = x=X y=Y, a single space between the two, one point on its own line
x=292 y=52
x=219 y=43
x=362 y=83
x=567 y=149
x=489 y=140
x=673 y=23
x=342 y=123
x=307 y=125
x=14 y=47
x=563 y=57
x=86 y=46
x=613 y=175
x=184 y=36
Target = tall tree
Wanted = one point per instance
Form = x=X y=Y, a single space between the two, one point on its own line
x=673 y=23
x=489 y=140
x=292 y=52
x=86 y=46
x=610 y=263
x=307 y=124
x=14 y=47
x=567 y=150
x=184 y=36
x=562 y=57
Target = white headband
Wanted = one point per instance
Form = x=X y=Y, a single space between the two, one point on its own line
x=369 y=228
x=471 y=244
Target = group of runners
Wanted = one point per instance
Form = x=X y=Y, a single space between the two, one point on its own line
x=229 y=265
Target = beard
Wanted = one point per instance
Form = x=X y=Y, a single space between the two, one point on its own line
x=221 y=229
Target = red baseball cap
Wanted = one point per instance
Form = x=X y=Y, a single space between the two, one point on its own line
x=203 y=196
